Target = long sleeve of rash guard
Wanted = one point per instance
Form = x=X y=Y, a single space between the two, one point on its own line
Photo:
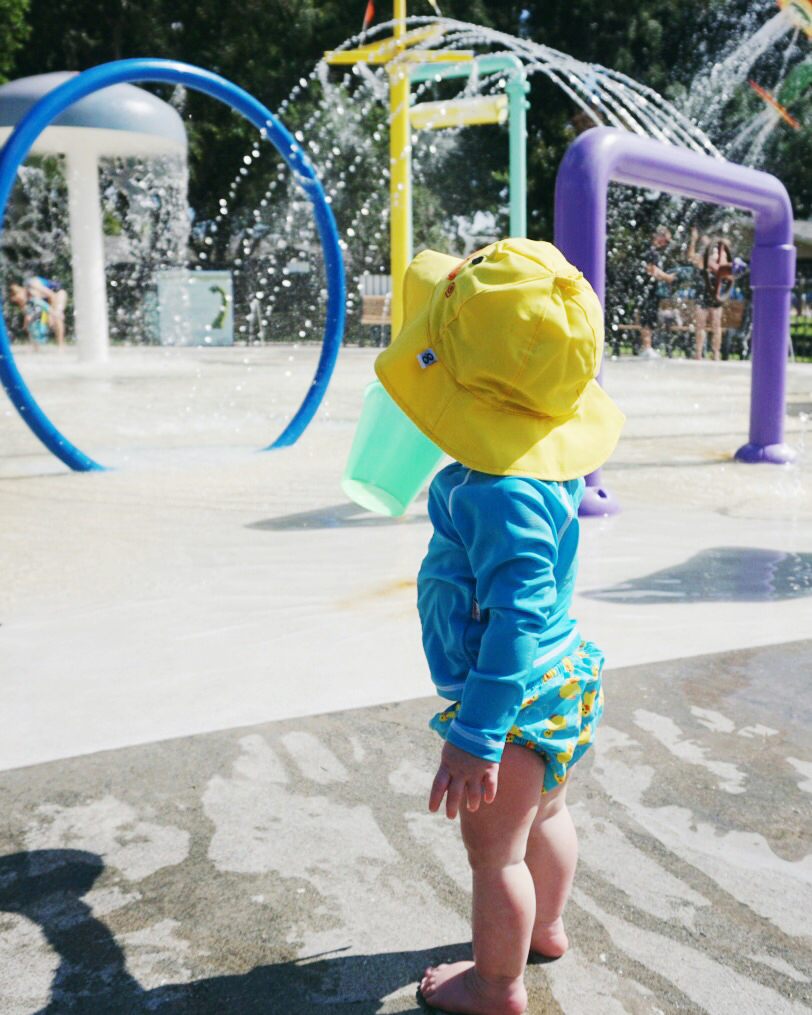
x=511 y=539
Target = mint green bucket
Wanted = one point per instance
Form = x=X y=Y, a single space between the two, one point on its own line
x=390 y=459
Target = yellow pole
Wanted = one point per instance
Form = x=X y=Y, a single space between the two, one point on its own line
x=400 y=176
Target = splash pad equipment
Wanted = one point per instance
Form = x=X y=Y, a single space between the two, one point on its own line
x=122 y=122
x=640 y=114
x=65 y=95
x=603 y=155
x=601 y=94
x=510 y=108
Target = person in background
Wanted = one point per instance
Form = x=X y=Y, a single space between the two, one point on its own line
x=51 y=291
x=713 y=262
x=35 y=313
x=656 y=289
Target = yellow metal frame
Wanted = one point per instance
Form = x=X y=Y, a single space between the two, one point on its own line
x=397 y=53
x=469 y=112
x=386 y=49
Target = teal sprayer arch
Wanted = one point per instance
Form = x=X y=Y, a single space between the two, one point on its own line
x=172 y=72
x=516 y=88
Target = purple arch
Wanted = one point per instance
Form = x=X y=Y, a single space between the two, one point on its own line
x=603 y=155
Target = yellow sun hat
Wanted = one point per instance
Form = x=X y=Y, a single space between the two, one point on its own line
x=496 y=361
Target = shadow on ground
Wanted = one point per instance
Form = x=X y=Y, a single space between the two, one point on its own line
x=46 y=887
x=721 y=574
x=334 y=517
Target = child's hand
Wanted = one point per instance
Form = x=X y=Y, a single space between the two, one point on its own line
x=462 y=776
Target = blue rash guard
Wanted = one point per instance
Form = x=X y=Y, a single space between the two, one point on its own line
x=494 y=593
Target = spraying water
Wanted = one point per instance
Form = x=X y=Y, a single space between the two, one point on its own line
x=345 y=132
x=342 y=124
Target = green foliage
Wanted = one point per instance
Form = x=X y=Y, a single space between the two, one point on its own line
x=16 y=33
x=789 y=159
x=35 y=239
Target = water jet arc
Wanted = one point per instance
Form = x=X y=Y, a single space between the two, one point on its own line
x=42 y=113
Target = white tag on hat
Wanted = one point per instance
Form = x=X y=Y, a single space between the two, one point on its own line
x=426 y=358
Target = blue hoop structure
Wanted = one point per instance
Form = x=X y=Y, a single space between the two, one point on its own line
x=51 y=105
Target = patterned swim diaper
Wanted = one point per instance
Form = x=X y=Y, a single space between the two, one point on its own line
x=558 y=715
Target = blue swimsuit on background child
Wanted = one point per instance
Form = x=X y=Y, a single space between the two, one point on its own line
x=494 y=594
x=37 y=314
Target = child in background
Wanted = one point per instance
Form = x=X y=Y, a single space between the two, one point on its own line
x=496 y=363
x=51 y=292
x=35 y=313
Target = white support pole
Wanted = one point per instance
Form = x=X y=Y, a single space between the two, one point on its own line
x=87 y=256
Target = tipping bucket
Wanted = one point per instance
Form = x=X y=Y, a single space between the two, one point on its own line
x=390 y=459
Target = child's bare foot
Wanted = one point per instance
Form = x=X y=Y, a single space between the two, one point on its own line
x=549 y=939
x=458 y=987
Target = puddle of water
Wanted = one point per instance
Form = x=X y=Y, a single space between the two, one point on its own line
x=719 y=574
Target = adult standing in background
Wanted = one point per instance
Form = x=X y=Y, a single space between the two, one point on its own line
x=655 y=289
x=714 y=263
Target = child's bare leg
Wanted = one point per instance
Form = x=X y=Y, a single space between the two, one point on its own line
x=716 y=332
x=58 y=325
x=700 y=325
x=552 y=853
x=58 y=301
x=495 y=837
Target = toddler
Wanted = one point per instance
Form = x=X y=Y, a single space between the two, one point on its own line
x=35 y=313
x=496 y=363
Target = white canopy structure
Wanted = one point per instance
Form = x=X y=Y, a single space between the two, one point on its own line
x=119 y=121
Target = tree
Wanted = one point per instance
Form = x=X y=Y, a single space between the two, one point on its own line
x=16 y=32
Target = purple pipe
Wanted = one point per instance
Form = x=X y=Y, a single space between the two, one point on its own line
x=603 y=155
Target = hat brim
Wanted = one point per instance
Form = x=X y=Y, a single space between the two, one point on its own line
x=467 y=428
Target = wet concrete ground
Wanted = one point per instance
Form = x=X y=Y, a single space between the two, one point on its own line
x=293 y=866
x=214 y=759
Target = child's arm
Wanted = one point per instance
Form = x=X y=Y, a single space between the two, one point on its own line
x=511 y=541
x=465 y=778
x=506 y=535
